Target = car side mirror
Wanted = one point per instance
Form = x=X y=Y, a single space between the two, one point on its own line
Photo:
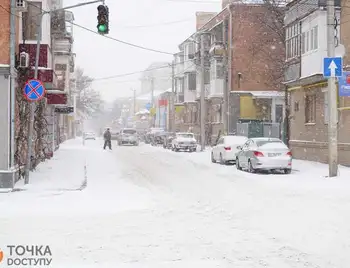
x=239 y=147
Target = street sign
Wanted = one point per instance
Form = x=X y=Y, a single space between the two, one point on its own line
x=64 y=110
x=333 y=67
x=148 y=106
x=34 y=90
x=344 y=85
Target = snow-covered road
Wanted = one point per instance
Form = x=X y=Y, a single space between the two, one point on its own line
x=150 y=207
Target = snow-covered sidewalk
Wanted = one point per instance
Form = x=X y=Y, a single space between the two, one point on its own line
x=77 y=180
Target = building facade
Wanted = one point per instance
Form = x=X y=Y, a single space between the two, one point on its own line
x=243 y=54
x=306 y=46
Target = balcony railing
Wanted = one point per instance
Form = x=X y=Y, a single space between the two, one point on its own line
x=62 y=46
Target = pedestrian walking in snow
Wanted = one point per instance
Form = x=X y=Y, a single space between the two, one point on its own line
x=107 y=137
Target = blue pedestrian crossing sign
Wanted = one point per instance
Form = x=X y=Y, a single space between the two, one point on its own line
x=148 y=106
x=333 y=67
x=34 y=90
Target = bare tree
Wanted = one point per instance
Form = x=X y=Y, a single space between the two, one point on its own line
x=88 y=99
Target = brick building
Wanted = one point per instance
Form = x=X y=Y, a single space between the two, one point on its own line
x=306 y=42
x=246 y=36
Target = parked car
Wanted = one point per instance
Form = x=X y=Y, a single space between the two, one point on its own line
x=128 y=136
x=89 y=136
x=185 y=142
x=114 y=134
x=226 y=149
x=158 y=138
x=269 y=154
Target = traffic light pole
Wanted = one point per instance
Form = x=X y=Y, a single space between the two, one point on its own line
x=32 y=105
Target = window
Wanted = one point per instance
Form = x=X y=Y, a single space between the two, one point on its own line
x=292 y=41
x=310 y=108
x=309 y=40
x=219 y=72
x=191 y=80
x=296 y=106
x=30 y=21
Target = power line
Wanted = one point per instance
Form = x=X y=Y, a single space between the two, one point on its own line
x=121 y=41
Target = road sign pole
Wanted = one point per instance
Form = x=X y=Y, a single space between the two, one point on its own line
x=32 y=104
x=332 y=95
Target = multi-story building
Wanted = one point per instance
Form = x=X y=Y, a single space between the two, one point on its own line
x=8 y=85
x=243 y=58
x=64 y=63
x=306 y=46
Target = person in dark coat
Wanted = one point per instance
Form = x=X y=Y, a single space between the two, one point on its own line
x=107 y=137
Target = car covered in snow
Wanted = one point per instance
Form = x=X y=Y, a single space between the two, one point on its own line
x=269 y=154
x=226 y=149
x=89 y=136
x=184 y=141
x=128 y=136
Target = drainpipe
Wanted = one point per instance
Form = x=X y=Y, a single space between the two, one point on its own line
x=229 y=39
x=12 y=82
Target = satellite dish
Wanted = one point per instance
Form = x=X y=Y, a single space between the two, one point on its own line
x=340 y=51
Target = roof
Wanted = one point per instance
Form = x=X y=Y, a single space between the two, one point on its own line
x=156 y=93
x=262 y=94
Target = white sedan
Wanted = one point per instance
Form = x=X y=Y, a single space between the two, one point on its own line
x=226 y=149
x=264 y=154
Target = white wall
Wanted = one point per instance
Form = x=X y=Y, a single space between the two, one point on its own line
x=312 y=61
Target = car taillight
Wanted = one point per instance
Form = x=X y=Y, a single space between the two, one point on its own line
x=227 y=148
x=258 y=154
x=290 y=154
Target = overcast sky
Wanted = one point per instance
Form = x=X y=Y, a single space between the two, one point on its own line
x=146 y=23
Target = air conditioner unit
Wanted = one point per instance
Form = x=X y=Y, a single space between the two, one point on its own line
x=24 y=60
x=21 y=5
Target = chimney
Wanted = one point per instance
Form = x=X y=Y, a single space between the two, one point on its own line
x=203 y=17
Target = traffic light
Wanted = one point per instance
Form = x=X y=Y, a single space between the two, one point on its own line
x=102 y=19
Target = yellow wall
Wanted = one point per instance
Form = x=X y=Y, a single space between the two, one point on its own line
x=247 y=107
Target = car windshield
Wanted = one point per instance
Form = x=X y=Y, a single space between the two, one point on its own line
x=185 y=135
x=129 y=131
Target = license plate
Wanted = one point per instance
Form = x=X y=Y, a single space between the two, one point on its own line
x=273 y=154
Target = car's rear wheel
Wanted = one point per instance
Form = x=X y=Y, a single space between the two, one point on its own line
x=288 y=171
x=250 y=167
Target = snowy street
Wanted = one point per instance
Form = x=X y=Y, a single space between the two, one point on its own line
x=149 y=207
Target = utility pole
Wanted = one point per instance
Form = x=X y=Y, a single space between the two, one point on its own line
x=202 y=96
x=226 y=87
x=134 y=101
x=33 y=105
x=332 y=96
x=172 y=99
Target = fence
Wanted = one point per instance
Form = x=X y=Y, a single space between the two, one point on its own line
x=259 y=129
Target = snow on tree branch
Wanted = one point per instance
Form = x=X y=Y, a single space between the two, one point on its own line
x=88 y=100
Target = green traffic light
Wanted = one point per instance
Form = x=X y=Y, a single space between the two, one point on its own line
x=102 y=28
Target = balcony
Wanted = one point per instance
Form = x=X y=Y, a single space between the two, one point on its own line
x=62 y=47
x=61 y=25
